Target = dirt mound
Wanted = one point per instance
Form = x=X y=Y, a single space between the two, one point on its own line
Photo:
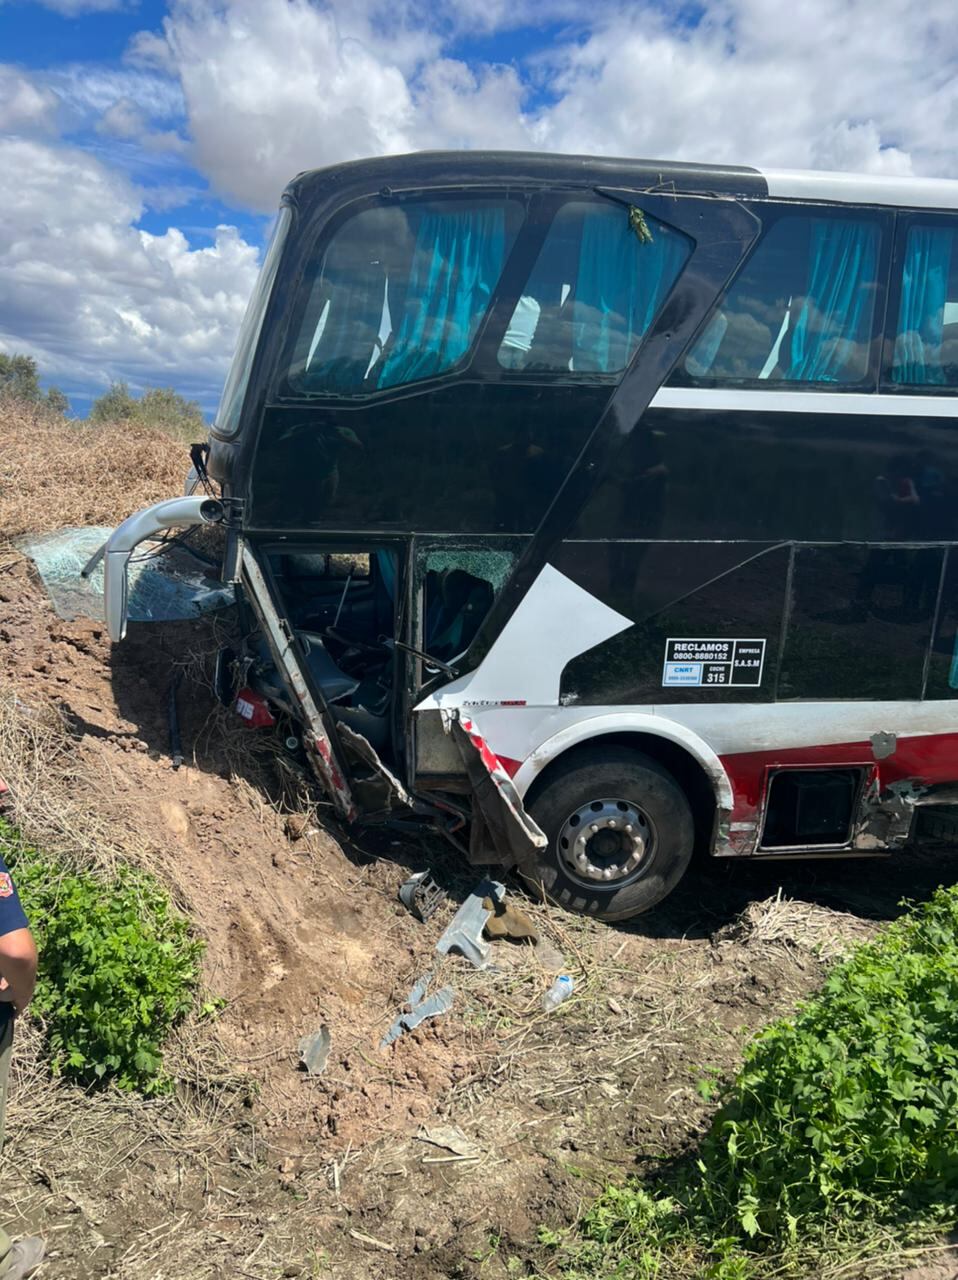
x=298 y=936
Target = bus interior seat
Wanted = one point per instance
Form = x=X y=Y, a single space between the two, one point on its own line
x=551 y=345
x=331 y=679
x=456 y=604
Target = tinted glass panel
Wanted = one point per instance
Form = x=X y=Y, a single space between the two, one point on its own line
x=738 y=595
x=942 y=680
x=926 y=338
x=399 y=292
x=860 y=622
x=813 y=477
x=601 y=277
x=801 y=310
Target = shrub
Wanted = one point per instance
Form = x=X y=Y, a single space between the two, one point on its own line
x=20 y=380
x=117 y=967
x=158 y=407
x=842 y=1118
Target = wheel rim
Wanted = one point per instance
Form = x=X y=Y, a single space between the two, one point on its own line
x=606 y=842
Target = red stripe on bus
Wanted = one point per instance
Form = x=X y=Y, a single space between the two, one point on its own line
x=927 y=757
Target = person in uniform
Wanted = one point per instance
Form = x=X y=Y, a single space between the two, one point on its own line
x=18 y=975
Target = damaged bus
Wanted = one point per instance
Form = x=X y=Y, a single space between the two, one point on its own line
x=592 y=509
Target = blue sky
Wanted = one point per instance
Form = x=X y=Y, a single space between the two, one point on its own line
x=144 y=143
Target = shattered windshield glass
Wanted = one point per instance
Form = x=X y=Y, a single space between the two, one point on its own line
x=166 y=582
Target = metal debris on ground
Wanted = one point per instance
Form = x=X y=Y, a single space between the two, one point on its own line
x=464 y=933
x=451 y=1138
x=421 y=1007
x=422 y=895
x=314 y=1051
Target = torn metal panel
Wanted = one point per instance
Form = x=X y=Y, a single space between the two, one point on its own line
x=514 y=833
x=393 y=791
x=482 y=851
x=464 y=933
x=420 y=1008
x=317 y=741
x=885 y=816
x=314 y=1051
x=735 y=839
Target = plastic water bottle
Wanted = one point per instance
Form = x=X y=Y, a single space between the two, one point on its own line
x=560 y=990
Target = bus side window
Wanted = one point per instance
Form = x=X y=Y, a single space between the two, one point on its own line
x=801 y=310
x=593 y=292
x=925 y=352
x=398 y=292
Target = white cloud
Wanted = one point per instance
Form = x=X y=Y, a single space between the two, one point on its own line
x=24 y=105
x=253 y=91
x=92 y=297
x=122 y=119
x=87 y=90
x=816 y=84
x=275 y=86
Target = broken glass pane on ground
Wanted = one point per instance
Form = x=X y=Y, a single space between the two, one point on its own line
x=168 y=581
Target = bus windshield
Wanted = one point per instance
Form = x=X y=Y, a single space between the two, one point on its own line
x=398 y=292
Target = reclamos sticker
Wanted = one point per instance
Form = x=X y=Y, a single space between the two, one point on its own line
x=713 y=664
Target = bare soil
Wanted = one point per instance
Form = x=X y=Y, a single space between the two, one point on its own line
x=253 y=1168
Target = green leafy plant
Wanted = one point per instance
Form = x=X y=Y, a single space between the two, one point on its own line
x=118 y=967
x=843 y=1119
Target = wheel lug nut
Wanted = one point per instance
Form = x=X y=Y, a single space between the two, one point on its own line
x=594 y=827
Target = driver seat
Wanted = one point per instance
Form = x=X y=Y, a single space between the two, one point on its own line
x=333 y=682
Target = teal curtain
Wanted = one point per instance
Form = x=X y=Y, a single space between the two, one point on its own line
x=621 y=285
x=835 y=318
x=921 y=316
x=456 y=264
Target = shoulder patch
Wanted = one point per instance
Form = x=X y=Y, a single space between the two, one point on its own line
x=6 y=885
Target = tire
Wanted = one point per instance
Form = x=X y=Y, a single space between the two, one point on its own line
x=618 y=786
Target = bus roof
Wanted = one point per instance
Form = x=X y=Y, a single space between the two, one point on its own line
x=451 y=168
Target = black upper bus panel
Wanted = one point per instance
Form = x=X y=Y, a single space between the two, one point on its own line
x=525 y=169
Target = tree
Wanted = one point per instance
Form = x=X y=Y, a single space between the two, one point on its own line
x=19 y=379
x=159 y=407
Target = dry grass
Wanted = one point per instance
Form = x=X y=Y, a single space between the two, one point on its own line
x=55 y=472
x=825 y=932
x=46 y=778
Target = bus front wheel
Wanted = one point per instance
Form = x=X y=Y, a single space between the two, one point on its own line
x=620 y=833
